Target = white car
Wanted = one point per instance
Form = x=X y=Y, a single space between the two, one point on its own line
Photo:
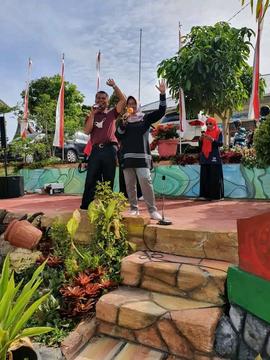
x=194 y=127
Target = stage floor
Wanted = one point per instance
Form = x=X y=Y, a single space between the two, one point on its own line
x=184 y=214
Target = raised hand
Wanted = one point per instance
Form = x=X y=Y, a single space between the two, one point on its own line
x=110 y=82
x=161 y=86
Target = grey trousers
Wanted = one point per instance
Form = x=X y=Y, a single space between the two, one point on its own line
x=145 y=180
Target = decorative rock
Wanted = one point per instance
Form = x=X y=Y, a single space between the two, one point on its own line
x=198 y=326
x=72 y=344
x=150 y=337
x=255 y=332
x=22 y=259
x=267 y=347
x=12 y=216
x=226 y=339
x=116 y=331
x=48 y=353
x=138 y=315
x=175 y=343
x=237 y=316
x=245 y=353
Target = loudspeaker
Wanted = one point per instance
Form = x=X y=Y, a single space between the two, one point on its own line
x=264 y=111
x=11 y=187
x=3 y=132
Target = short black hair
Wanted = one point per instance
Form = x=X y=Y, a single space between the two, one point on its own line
x=131 y=97
x=102 y=92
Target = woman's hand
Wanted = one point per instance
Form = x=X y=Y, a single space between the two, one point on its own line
x=205 y=136
x=161 y=86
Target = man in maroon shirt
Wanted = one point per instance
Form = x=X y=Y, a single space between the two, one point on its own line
x=100 y=123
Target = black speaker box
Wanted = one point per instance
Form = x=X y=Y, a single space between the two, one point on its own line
x=3 y=136
x=11 y=187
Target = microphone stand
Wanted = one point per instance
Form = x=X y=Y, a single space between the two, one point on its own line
x=163 y=221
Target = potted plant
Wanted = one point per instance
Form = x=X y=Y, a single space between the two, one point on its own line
x=165 y=137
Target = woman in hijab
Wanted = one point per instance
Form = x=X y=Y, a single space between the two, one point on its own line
x=133 y=133
x=211 y=176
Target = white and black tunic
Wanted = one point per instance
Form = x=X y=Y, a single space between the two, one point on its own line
x=135 y=149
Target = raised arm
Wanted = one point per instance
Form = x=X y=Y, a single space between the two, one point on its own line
x=122 y=98
x=154 y=116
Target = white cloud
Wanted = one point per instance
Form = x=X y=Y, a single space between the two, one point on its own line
x=45 y=29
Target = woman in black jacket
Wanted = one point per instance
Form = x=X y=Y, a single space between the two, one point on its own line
x=133 y=133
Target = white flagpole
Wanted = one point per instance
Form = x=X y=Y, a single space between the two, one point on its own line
x=26 y=100
x=180 y=97
x=140 y=67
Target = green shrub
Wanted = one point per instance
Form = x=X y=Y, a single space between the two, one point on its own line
x=262 y=143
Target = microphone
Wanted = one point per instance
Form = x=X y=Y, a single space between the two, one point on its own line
x=163 y=221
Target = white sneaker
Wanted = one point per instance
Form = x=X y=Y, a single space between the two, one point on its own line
x=134 y=213
x=155 y=215
x=140 y=198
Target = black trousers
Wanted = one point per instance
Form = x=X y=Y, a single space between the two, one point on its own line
x=211 y=182
x=101 y=167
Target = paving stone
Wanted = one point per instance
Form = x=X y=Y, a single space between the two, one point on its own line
x=115 y=331
x=226 y=339
x=255 y=332
x=104 y=348
x=138 y=352
x=191 y=277
x=222 y=246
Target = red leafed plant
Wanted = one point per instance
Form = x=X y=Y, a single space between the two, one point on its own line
x=80 y=297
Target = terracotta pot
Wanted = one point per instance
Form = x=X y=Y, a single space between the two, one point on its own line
x=167 y=147
x=22 y=234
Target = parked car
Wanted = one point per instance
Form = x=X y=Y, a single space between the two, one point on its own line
x=194 y=127
x=73 y=149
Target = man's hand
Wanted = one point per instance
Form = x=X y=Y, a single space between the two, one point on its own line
x=161 y=86
x=111 y=82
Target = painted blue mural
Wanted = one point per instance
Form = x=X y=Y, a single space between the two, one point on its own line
x=239 y=182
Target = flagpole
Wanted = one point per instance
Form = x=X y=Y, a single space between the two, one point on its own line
x=98 y=59
x=26 y=99
x=180 y=105
x=62 y=77
x=140 y=66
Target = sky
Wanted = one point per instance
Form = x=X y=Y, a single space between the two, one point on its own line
x=43 y=30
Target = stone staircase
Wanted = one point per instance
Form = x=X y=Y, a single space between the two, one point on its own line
x=170 y=303
x=107 y=348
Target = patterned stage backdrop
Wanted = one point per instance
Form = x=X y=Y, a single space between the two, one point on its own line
x=239 y=182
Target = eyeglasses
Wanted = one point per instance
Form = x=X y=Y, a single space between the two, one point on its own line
x=209 y=124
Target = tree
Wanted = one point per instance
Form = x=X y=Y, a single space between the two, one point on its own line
x=212 y=70
x=43 y=95
x=259 y=4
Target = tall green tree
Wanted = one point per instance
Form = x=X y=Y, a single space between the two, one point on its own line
x=212 y=70
x=43 y=95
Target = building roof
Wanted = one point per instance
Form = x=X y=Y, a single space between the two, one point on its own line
x=171 y=103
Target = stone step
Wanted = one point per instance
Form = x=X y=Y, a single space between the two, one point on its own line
x=107 y=348
x=202 y=244
x=175 y=325
x=192 y=278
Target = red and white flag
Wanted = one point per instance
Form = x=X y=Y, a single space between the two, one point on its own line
x=58 y=140
x=24 y=123
x=98 y=69
x=254 y=105
x=182 y=106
